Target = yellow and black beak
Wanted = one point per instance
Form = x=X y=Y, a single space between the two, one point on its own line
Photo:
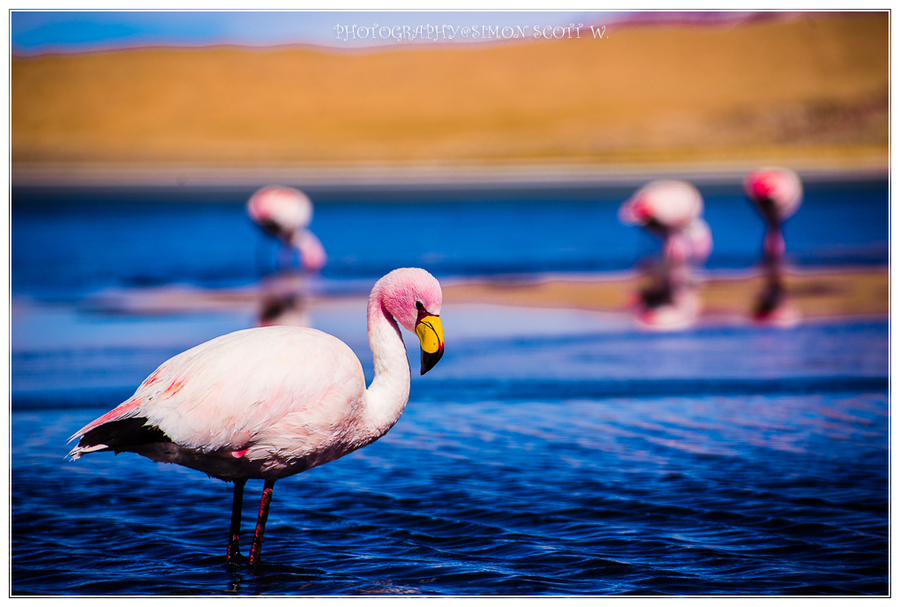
x=431 y=338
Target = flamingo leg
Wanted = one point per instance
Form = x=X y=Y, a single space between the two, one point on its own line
x=285 y=256
x=263 y=250
x=261 y=521
x=234 y=535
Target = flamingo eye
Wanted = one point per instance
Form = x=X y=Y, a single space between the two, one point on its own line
x=419 y=306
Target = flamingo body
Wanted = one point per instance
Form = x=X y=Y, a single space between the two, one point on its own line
x=671 y=204
x=280 y=210
x=257 y=403
x=271 y=402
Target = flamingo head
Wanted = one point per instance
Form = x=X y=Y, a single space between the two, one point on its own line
x=312 y=253
x=413 y=297
x=761 y=187
x=636 y=211
x=699 y=237
x=777 y=192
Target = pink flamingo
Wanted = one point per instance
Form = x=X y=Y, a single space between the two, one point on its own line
x=286 y=213
x=777 y=193
x=672 y=211
x=271 y=402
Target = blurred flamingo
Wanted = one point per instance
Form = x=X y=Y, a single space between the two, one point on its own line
x=271 y=402
x=777 y=193
x=286 y=214
x=672 y=210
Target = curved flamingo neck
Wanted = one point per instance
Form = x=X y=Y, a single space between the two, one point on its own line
x=388 y=393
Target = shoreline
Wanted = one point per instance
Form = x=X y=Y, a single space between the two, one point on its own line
x=373 y=175
x=817 y=293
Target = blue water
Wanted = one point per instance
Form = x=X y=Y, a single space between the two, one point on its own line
x=549 y=452
x=72 y=242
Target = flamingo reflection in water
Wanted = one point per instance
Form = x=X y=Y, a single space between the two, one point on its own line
x=283 y=300
x=777 y=194
x=672 y=211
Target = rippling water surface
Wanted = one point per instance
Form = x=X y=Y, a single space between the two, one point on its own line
x=550 y=451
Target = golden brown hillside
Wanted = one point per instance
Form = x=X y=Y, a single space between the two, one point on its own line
x=810 y=86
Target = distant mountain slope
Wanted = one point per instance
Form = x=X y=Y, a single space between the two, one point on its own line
x=812 y=84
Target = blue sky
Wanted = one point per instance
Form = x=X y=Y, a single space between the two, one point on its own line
x=73 y=31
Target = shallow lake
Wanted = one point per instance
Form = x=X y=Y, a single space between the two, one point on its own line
x=549 y=452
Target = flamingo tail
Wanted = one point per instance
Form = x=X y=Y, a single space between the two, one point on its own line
x=119 y=435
